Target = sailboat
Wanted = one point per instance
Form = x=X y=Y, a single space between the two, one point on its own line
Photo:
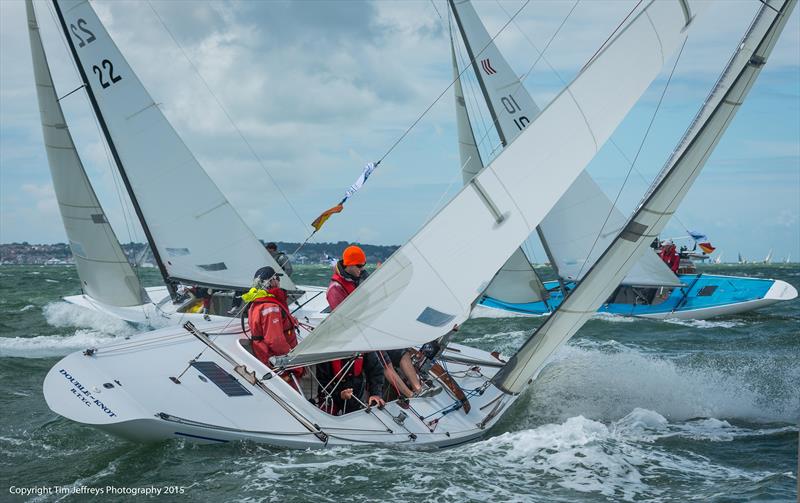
x=203 y=384
x=583 y=222
x=768 y=258
x=173 y=197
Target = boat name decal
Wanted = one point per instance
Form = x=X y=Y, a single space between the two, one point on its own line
x=85 y=396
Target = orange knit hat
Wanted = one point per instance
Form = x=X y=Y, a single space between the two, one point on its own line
x=353 y=255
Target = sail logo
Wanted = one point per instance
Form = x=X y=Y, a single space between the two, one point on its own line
x=487 y=67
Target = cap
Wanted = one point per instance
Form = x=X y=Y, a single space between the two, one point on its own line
x=265 y=273
x=271 y=246
x=353 y=255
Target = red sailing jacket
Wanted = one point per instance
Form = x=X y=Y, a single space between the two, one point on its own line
x=271 y=325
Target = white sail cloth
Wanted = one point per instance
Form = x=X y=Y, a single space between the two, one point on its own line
x=430 y=282
x=661 y=202
x=198 y=235
x=104 y=270
x=515 y=282
x=583 y=224
x=574 y=229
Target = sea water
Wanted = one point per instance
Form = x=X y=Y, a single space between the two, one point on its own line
x=630 y=409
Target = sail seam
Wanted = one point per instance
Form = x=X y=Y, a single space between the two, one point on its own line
x=655 y=32
x=583 y=115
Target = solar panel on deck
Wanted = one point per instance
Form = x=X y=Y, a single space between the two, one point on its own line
x=224 y=381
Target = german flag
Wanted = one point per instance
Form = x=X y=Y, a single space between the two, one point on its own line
x=707 y=248
x=320 y=220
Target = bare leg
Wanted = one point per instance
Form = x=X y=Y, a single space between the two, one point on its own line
x=407 y=366
x=397 y=381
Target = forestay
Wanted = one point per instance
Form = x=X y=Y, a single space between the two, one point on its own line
x=661 y=202
x=516 y=281
x=575 y=230
x=430 y=282
x=103 y=268
x=198 y=235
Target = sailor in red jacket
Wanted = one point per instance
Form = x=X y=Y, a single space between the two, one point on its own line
x=348 y=273
x=272 y=326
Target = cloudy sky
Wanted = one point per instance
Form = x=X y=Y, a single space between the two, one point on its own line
x=316 y=89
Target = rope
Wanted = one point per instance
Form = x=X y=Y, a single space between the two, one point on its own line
x=636 y=157
x=435 y=101
x=230 y=119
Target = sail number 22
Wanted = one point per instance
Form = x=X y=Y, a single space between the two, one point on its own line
x=105 y=65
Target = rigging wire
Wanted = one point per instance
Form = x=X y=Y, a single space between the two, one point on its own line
x=447 y=88
x=564 y=83
x=638 y=152
x=230 y=119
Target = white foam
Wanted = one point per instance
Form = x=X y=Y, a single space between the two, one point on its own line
x=26 y=308
x=607 y=380
x=44 y=346
x=64 y=314
x=705 y=323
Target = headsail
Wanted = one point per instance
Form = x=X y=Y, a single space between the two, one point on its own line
x=574 y=230
x=660 y=203
x=104 y=270
x=516 y=281
x=432 y=280
x=179 y=204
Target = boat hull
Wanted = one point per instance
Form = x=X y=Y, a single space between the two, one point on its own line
x=162 y=312
x=704 y=296
x=155 y=387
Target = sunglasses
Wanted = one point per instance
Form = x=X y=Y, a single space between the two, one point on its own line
x=361 y=266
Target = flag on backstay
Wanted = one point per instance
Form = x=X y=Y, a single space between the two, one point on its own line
x=697 y=236
x=320 y=220
x=707 y=248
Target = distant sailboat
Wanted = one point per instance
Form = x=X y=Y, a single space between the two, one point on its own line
x=583 y=222
x=175 y=200
x=768 y=258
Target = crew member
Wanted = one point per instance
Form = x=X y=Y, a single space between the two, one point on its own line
x=280 y=257
x=272 y=326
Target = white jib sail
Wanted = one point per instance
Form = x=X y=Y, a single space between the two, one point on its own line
x=430 y=282
x=516 y=281
x=573 y=230
x=104 y=270
x=199 y=236
x=661 y=202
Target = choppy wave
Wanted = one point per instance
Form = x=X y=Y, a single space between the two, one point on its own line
x=621 y=460
x=706 y=323
x=64 y=314
x=44 y=346
x=605 y=380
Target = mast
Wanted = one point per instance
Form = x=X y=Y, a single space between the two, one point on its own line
x=496 y=123
x=110 y=142
x=474 y=63
x=552 y=260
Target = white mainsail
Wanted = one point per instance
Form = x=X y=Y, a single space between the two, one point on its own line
x=104 y=270
x=430 y=282
x=516 y=281
x=660 y=203
x=575 y=231
x=195 y=233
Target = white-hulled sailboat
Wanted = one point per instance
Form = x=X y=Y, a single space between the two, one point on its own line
x=206 y=386
x=173 y=197
x=583 y=222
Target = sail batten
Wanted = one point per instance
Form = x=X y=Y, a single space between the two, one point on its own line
x=103 y=268
x=448 y=263
x=177 y=202
x=667 y=192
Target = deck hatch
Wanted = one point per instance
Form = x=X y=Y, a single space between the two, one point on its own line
x=707 y=291
x=224 y=381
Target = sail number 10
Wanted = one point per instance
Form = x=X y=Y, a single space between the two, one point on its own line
x=104 y=72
